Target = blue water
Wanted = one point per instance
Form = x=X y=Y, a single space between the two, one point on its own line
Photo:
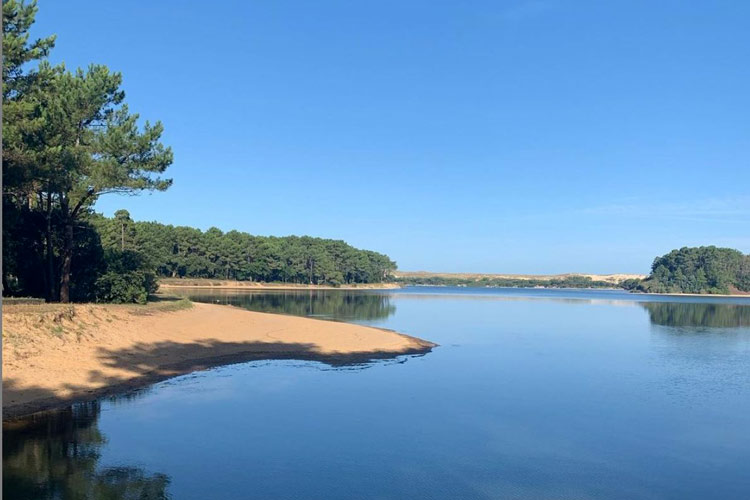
x=531 y=394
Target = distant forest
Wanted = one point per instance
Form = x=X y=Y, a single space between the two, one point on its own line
x=487 y=281
x=703 y=270
x=697 y=270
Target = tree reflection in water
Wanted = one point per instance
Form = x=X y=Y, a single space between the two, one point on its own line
x=691 y=314
x=330 y=304
x=56 y=455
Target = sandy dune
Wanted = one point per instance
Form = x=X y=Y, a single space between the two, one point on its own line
x=611 y=278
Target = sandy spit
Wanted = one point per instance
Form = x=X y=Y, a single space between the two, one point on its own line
x=54 y=355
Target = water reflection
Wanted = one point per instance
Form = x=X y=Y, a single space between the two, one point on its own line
x=685 y=314
x=56 y=455
x=337 y=305
x=586 y=402
x=347 y=305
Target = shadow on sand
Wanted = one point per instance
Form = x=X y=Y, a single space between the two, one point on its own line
x=145 y=364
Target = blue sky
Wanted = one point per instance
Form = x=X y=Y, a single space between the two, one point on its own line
x=502 y=136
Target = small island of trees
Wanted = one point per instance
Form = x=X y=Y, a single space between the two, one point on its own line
x=706 y=269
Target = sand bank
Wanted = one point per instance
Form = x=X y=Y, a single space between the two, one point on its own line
x=55 y=354
x=173 y=283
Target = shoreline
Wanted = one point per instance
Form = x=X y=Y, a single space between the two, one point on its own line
x=717 y=295
x=57 y=355
x=254 y=285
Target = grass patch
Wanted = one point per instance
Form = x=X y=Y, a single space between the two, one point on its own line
x=163 y=303
x=22 y=300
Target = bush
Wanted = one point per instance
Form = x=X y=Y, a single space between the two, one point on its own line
x=127 y=279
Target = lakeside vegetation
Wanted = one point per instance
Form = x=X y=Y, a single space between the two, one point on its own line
x=699 y=270
x=704 y=270
x=186 y=252
x=489 y=281
x=69 y=138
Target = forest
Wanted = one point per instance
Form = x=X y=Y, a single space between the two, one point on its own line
x=706 y=269
x=69 y=138
x=186 y=252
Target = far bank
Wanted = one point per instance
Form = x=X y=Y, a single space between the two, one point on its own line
x=177 y=283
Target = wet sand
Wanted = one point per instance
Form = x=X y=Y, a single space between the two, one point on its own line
x=54 y=355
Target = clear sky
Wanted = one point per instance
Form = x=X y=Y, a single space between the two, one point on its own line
x=501 y=136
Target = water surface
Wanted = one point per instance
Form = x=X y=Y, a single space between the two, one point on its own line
x=531 y=394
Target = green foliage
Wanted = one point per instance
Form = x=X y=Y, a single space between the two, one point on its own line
x=23 y=83
x=127 y=279
x=185 y=252
x=492 y=282
x=631 y=284
x=17 y=51
x=25 y=259
x=698 y=270
x=69 y=138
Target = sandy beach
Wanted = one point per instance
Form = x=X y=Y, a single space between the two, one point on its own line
x=57 y=354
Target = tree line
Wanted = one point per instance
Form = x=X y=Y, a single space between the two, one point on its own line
x=69 y=138
x=498 y=282
x=186 y=252
x=706 y=269
x=702 y=270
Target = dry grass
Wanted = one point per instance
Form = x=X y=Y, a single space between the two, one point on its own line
x=25 y=322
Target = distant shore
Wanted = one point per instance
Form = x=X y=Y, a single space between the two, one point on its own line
x=718 y=295
x=209 y=284
x=176 y=283
x=56 y=354
x=610 y=278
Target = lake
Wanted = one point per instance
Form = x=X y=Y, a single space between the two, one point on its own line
x=532 y=393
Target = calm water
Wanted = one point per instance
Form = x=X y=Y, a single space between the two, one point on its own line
x=531 y=394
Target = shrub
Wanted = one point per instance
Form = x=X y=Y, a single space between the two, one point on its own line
x=128 y=278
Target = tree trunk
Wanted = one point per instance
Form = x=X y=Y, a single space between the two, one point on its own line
x=50 y=285
x=66 y=264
